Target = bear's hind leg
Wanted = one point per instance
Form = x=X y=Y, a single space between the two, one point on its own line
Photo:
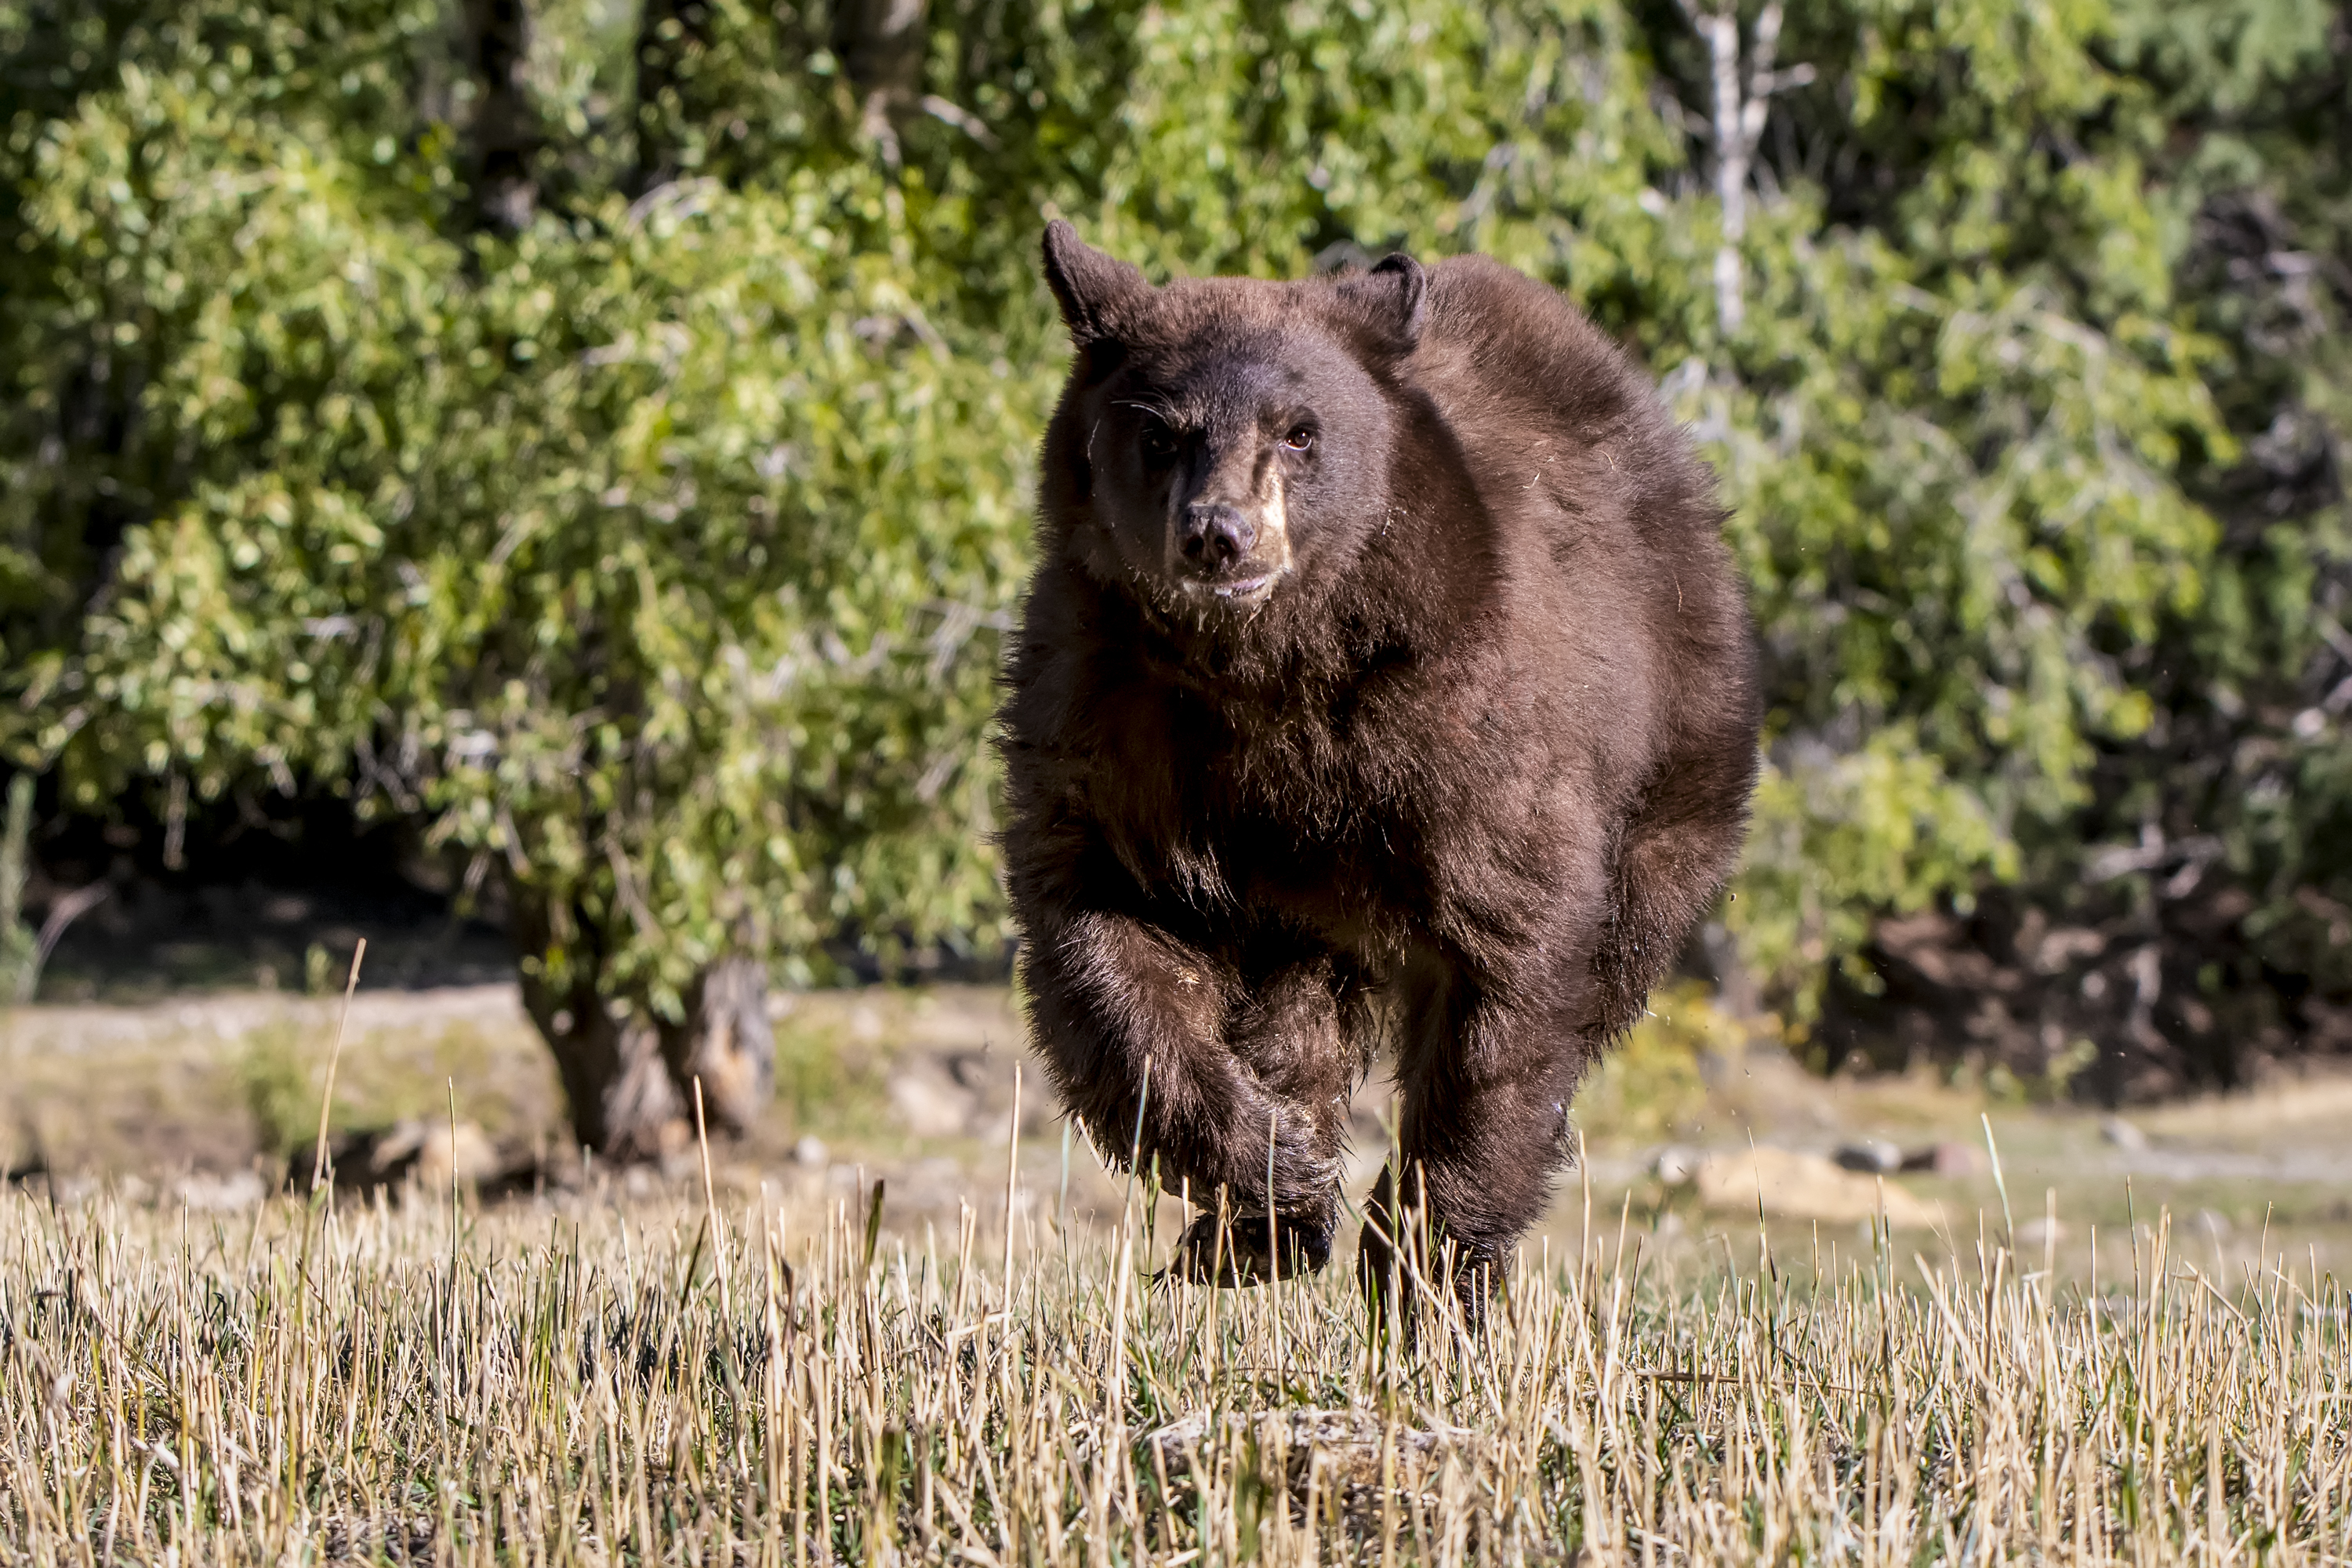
x=1483 y=1090
x=1671 y=861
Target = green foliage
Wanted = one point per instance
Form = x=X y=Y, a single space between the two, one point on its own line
x=20 y=953
x=1651 y=1086
x=274 y=1081
x=2253 y=754
x=655 y=555
x=824 y=1082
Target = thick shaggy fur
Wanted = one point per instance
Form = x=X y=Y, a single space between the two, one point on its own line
x=1385 y=662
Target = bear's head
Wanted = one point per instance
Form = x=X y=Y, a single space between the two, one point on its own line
x=1224 y=443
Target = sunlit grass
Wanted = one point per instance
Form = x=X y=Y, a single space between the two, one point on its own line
x=593 y=1382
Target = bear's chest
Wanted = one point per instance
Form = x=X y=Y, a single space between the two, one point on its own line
x=1281 y=815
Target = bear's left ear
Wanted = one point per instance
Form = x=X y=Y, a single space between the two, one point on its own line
x=1394 y=298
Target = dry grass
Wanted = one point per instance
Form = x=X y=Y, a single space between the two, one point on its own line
x=692 y=1383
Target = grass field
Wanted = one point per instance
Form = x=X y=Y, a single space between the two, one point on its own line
x=744 y=1362
x=738 y=1381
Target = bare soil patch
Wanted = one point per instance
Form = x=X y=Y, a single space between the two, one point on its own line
x=201 y=1098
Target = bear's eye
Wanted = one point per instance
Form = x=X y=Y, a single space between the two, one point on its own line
x=1157 y=442
x=1300 y=439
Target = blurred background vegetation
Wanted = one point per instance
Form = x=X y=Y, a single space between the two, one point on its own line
x=570 y=460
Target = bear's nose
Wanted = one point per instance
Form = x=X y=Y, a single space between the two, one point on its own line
x=1216 y=534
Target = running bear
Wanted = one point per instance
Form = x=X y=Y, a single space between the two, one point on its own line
x=1384 y=680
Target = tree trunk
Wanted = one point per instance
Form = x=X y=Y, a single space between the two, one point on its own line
x=623 y=1103
x=617 y=1086
x=506 y=136
x=725 y=1041
x=628 y=1079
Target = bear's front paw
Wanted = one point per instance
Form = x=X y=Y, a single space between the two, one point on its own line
x=1242 y=1254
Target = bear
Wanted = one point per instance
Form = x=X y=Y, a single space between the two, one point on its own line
x=1384 y=680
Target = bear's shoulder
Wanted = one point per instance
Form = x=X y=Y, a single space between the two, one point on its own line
x=1495 y=331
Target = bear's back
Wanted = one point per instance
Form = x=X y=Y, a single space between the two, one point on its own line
x=1618 y=593
x=1540 y=397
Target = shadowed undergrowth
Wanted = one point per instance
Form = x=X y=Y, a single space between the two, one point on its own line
x=409 y=1382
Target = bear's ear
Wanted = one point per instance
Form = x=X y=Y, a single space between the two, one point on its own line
x=1089 y=286
x=1393 y=299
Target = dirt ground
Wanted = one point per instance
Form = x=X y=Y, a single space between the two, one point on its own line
x=197 y=1101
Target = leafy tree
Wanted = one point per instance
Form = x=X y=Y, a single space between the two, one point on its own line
x=652 y=552
x=2188 y=917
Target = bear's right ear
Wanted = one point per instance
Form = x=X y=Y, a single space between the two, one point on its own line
x=1090 y=286
x=1394 y=299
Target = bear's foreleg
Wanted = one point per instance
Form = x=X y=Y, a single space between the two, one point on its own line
x=1287 y=1031
x=1165 y=1054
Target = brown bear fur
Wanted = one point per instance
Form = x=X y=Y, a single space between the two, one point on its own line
x=1384 y=674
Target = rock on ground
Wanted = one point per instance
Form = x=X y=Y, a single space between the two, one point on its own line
x=1345 y=1450
x=1791 y=1185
